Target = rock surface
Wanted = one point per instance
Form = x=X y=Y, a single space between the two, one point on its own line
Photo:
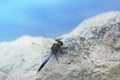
x=93 y=52
x=20 y=59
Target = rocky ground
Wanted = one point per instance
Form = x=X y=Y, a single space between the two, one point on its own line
x=93 y=53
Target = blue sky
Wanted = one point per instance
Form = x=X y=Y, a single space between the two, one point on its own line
x=49 y=18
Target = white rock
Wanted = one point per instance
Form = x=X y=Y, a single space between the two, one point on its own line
x=93 y=53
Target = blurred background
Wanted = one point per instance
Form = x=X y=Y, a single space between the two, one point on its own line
x=48 y=18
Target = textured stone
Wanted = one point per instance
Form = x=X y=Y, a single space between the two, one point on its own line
x=93 y=52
